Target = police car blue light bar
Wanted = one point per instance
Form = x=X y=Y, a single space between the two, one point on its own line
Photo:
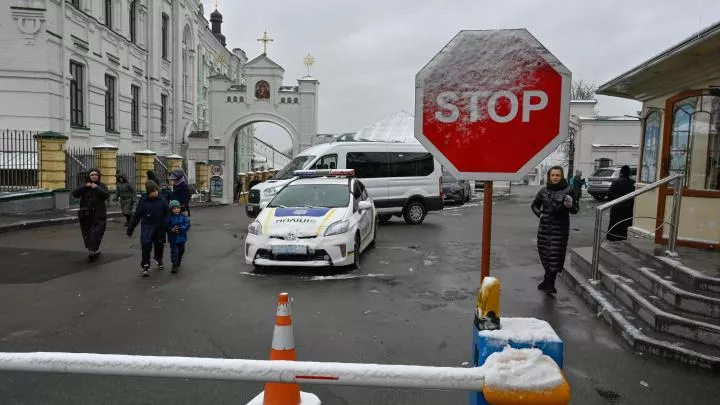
x=324 y=173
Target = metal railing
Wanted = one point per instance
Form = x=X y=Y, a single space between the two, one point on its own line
x=77 y=163
x=161 y=170
x=298 y=372
x=19 y=160
x=674 y=217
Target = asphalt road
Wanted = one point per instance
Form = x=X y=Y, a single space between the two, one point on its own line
x=411 y=302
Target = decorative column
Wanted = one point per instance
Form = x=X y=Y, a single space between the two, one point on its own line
x=174 y=162
x=144 y=161
x=51 y=160
x=202 y=175
x=106 y=162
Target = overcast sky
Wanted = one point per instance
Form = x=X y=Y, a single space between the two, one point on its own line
x=368 y=52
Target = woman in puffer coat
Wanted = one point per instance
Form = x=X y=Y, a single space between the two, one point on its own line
x=93 y=212
x=125 y=193
x=553 y=204
x=180 y=190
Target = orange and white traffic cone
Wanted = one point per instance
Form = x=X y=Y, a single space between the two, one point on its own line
x=283 y=348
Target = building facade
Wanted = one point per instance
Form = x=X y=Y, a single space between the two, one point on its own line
x=130 y=73
x=680 y=92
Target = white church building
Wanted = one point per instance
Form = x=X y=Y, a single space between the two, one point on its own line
x=141 y=74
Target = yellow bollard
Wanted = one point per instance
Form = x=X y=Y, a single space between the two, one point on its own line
x=487 y=314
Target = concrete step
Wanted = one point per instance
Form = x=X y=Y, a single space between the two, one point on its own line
x=659 y=282
x=633 y=329
x=697 y=328
x=697 y=281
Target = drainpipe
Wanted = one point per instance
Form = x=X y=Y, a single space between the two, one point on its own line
x=174 y=87
x=63 y=66
x=148 y=46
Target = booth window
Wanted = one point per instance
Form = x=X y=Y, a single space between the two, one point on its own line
x=650 y=147
x=695 y=143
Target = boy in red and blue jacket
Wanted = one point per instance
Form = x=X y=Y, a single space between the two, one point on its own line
x=177 y=228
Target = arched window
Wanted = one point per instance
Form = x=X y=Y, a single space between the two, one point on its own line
x=295 y=100
x=695 y=141
x=234 y=99
x=229 y=99
x=650 y=147
x=242 y=99
x=282 y=100
x=186 y=47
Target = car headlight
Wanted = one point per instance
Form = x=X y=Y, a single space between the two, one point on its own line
x=255 y=228
x=271 y=191
x=338 y=228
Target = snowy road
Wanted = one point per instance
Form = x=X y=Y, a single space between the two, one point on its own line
x=410 y=302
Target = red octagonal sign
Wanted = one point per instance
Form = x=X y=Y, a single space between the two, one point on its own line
x=492 y=104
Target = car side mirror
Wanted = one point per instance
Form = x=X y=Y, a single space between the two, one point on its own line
x=364 y=205
x=264 y=204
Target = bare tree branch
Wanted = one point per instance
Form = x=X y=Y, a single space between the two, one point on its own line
x=582 y=90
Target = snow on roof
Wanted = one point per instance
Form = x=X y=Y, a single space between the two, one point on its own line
x=395 y=128
x=521 y=369
x=584 y=101
x=522 y=330
x=615 y=145
x=608 y=118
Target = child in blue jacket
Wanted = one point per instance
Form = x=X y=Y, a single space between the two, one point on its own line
x=177 y=228
x=152 y=213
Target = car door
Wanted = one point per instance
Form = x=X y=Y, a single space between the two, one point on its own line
x=365 y=217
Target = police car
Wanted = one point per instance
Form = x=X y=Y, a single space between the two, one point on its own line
x=321 y=218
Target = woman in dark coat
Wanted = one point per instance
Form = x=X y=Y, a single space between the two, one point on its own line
x=125 y=193
x=621 y=215
x=180 y=191
x=153 y=177
x=93 y=212
x=553 y=204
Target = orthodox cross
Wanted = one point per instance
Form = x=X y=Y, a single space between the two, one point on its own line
x=265 y=39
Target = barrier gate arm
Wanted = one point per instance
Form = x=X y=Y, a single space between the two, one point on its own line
x=305 y=372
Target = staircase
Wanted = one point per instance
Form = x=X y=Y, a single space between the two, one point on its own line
x=656 y=304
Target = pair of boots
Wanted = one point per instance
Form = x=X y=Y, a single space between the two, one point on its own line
x=548 y=283
x=146 y=268
x=93 y=255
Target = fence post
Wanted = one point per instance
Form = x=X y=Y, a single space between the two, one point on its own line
x=174 y=162
x=106 y=162
x=144 y=161
x=202 y=175
x=51 y=167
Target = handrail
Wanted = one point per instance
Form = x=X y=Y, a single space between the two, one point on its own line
x=675 y=217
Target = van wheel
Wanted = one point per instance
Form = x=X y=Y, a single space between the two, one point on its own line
x=384 y=218
x=414 y=213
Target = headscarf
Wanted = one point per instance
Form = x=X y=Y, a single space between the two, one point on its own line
x=178 y=176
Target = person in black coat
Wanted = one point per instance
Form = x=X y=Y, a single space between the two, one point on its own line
x=92 y=214
x=152 y=213
x=553 y=204
x=621 y=215
x=180 y=190
x=153 y=177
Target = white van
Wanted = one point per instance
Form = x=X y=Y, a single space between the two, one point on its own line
x=402 y=179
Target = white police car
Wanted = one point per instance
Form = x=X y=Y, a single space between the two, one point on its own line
x=322 y=218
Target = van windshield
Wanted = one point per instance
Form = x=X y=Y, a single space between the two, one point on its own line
x=296 y=164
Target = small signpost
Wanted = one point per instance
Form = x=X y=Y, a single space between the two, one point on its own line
x=491 y=105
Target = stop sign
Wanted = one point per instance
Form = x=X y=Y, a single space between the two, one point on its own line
x=491 y=105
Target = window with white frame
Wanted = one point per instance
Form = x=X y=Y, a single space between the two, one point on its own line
x=163 y=114
x=135 y=109
x=77 y=94
x=110 y=87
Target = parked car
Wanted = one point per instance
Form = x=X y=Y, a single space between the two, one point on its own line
x=320 y=218
x=599 y=183
x=455 y=190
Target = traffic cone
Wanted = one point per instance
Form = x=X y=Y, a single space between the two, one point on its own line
x=283 y=348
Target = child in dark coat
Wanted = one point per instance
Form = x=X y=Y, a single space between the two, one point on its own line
x=152 y=213
x=177 y=228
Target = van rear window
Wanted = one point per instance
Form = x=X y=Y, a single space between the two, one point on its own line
x=369 y=165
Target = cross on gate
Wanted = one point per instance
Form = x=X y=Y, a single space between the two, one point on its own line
x=265 y=39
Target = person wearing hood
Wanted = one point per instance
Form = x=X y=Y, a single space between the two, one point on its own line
x=92 y=213
x=577 y=185
x=181 y=191
x=152 y=176
x=553 y=204
x=125 y=193
x=152 y=213
x=621 y=215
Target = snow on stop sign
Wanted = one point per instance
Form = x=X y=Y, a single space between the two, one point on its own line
x=491 y=105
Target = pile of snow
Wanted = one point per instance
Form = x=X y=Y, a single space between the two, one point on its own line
x=521 y=369
x=396 y=128
x=522 y=330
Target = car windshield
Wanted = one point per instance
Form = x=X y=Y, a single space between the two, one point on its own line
x=296 y=164
x=312 y=195
x=604 y=173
